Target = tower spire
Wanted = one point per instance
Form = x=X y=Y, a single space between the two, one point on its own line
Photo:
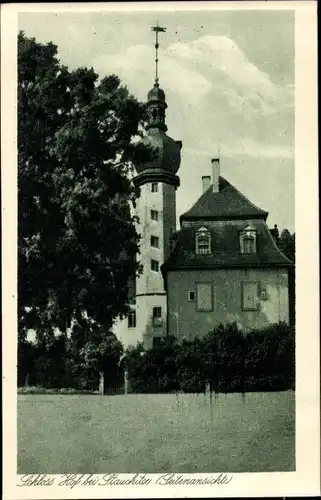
x=157 y=29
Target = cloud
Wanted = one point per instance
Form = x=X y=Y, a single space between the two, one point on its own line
x=216 y=89
x=211 y=85
x=135 y=65
x=225 y=90
x=219 y=55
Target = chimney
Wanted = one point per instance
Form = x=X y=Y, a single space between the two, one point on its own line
x=215 y=174
x=206 y=181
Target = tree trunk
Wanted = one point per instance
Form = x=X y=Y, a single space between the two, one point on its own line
x=102 y=383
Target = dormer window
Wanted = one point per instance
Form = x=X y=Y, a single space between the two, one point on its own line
x=248 y=244
x=248 y=240
x=203 y=241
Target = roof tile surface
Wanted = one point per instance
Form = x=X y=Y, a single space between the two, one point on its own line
x=228 y=203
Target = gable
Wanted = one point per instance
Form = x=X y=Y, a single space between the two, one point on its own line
x=228 y=203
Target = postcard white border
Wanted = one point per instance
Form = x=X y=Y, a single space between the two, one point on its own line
x=306 y=480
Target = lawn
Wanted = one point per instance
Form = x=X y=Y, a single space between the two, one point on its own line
x=156 y=433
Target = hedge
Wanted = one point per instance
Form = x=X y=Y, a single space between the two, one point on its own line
x=225 y=360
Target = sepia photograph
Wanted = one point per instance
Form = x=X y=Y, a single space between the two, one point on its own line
x=156 y=245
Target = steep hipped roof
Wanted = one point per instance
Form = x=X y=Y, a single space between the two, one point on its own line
x=225 y=248
x=228 y=203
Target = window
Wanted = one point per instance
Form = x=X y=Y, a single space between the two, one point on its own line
x=248 y=244
x=154 y=241
x=154 y=214
x=157 y=312
x=154 y=265
x=191 y=296
x=131 y=289
x=204 y=296
x=250 y=295
x=131 y=319
x=154 y=187
x=203 y=241
x=248 y=239
x=157 y=316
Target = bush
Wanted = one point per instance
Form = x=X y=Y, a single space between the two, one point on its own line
x=226 y=359
x=270 y=358
x=224 y=353
x=190 y=366
x=155 y=370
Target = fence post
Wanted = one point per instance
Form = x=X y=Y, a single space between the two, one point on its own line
x=125 y=381
x=101 y=383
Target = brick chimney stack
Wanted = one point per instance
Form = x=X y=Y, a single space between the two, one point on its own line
x=215 y=174
x=206 y=182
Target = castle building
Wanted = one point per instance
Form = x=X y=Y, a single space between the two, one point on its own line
x=223 y=264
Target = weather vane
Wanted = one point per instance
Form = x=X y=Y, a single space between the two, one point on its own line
x=157 y=30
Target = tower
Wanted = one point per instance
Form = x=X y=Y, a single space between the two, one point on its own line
x=156 y=209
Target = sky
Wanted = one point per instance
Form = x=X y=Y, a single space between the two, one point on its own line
x=228 y=77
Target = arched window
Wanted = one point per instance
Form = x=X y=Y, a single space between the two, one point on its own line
x=203 y=241
x=248 y=240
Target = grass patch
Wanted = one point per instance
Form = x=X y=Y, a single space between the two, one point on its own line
x=156 y=433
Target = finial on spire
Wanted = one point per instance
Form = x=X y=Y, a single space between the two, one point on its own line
x=157 y=30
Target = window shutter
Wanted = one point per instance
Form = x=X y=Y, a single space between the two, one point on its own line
x=250 y=293
x=204 y=297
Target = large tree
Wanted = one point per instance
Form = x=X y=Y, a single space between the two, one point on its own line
x=76 y=148
x=285 y=242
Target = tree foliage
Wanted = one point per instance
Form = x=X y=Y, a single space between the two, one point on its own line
x=76 y=149
x=55 y=362
x=154 y=370
x=285 y=242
